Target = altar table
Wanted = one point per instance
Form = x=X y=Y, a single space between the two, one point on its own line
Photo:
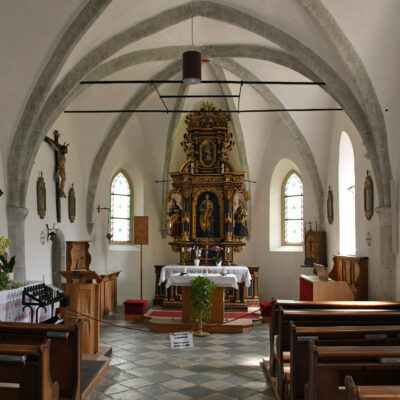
x=235 y=299
x=242 y=274
x=218 y=303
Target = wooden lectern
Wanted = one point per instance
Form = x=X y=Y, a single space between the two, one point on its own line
x=90 y=293
x=83 y=287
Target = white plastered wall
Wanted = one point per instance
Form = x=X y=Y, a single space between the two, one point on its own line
x=279 y=270
x=132 y=153
x=3 y=198
x=38 y=256
x=361 y=164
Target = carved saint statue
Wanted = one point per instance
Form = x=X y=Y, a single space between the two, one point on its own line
x=175 y=219
x=61 y=150
x=207 y=215
x=240 y=217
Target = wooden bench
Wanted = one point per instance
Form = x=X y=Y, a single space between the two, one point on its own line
x=377 y=392
x=376 y=365
x=305 y=305
x=323 y=317
x=330 y=336
x=25 y=372
x=65 y=354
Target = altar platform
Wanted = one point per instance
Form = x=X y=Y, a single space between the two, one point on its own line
x=164 y=321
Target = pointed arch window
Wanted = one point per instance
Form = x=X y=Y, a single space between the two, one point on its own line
x=292 y=210
x=121 y=208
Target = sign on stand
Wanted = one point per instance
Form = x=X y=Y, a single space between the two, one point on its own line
x=181 y=340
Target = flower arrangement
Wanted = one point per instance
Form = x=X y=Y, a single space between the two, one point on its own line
x=218 y=257
x=7 y=265
x=196 y=252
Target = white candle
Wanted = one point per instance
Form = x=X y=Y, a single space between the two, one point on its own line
x=223 y=271
x=184 y=269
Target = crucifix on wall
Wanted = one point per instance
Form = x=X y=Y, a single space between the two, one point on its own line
x=59 y=151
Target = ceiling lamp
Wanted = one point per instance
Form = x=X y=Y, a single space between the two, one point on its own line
x=191 y=67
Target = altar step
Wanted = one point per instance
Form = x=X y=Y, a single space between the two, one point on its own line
x=166 y=325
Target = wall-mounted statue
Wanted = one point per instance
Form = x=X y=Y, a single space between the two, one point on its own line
x=175 y=219
x=240 y=217
x=60 y=176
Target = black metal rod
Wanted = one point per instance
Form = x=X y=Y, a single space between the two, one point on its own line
x=199 y=111
x=240 y=92
x=138 y=81
x=180 y=96
x=159 y=95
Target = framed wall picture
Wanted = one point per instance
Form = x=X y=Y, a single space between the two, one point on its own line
x=368 y=197
x=41 y=196
x=71 y=204
x=329 y=206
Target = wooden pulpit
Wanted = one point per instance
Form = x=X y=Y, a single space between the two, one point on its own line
x=83 y=287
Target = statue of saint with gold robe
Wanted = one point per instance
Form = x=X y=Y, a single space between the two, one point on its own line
x=175 y=219
x=207 y=215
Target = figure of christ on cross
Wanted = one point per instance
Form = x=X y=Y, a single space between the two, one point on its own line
x=61 y=150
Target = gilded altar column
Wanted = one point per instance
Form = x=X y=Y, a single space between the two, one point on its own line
x=186 y=215
x=228 y=214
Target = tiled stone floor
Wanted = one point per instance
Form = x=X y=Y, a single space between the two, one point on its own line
x=219 y=367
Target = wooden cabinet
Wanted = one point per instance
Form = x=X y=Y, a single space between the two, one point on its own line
x=312 y=289
x=354 y=271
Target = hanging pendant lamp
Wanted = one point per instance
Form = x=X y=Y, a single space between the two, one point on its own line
x=191 y=67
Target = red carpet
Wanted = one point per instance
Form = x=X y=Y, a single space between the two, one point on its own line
x=178 y=314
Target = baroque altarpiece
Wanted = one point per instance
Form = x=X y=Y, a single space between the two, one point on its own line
x=208 y=206
x=211 y=193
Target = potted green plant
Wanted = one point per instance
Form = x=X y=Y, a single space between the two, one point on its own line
x=6 y=265
x=201 y=295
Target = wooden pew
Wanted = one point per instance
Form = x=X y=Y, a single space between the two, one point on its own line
x=305 y=305
x=25 y=372
x=377 y=365
x=377 y=392
x=330 y=336
x=323 y=317
x=65 y=354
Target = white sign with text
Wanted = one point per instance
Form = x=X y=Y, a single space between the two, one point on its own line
x=181 y=340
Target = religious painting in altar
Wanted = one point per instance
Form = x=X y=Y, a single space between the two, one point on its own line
x=207 y=215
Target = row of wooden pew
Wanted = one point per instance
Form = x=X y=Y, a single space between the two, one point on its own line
x=40 y=361
x=315 y=345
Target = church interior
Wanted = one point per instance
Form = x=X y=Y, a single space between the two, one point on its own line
x=145 y=144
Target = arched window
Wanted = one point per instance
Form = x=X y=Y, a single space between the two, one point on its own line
x=292 y=210
x=347 y=213
x=121 y=209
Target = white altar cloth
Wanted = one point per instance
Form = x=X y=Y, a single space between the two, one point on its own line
x=228 y=280
x=242 y=273
x=11 y=307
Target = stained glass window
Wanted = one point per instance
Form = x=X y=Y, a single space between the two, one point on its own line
x=292 y=215
x=121 y=206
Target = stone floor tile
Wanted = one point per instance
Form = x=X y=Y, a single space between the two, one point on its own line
x=136 y=383
x=130 y=395
x=218 y=385
x=216 y=396
x=115 y=388
x=238 y=392
x=179 y=372
x=196 y=391
x=177 y=384
x=173 y=396
x=258 y=386
x=154 y=390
